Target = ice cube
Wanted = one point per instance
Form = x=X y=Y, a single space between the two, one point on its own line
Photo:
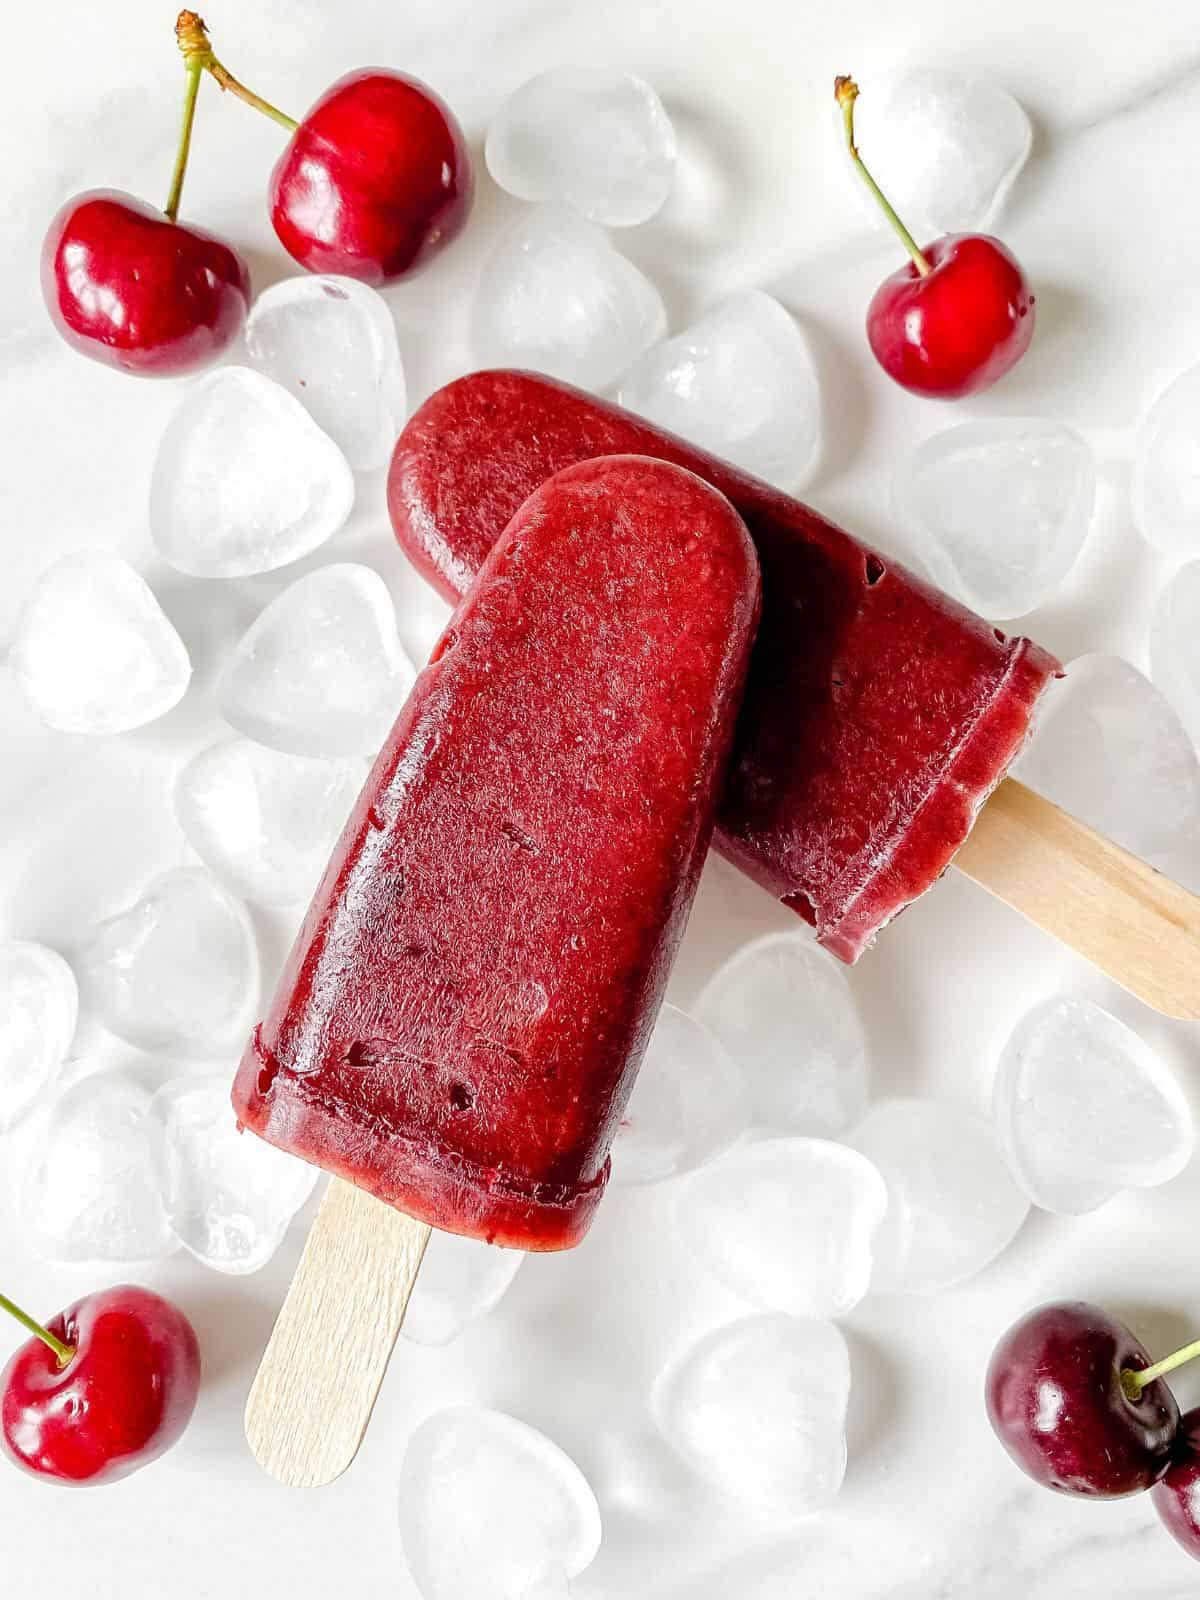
x=229 y=1197
x=177 y=971
x=93 y=651
x=1110 y=750
x=93 y=1191
x=244 y=481
x=952 y=1203
x=460 y=1279
x=586 y=137
x=758 y=1407
x=39 y=1004
x=944 y=147
x=1166 y=469
x=557 y=297
x=740 y=381
x=489 y=1507
x=784 y=1011
x=998 y=509
x=1084 y=1108
x=688 y=1103
x=789 y=1224
x=265 y=821
x=320 y=672
x=331 y=342
x=1174 y=655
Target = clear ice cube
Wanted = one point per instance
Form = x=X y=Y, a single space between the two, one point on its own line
x=952 y=1203
x=264 y=821
x=741 y=382
x=789 y=1224
x=229 y=1197
x=556 y=296
x=1109 y=749
x=758 y=1408
x=93 y=651
x=688 y=1103
x=244 y=481
x=784 y=1011
x=1084 y=1108
x=93 y=1191
x=331 y=343
x=944 y=147
x=490 y=1507
x=39 y=1005
x=177 y=971
x=997 y=510
x=1166 y=470
x=586 y=137
x=460 y=1279
x=1174 y=653
x=320 y=672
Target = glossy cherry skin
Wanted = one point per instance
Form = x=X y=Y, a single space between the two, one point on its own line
x=1177 y=1496
x=1055 y=1399
x=375 y=180
x=959 y=329
x=123 y=1399
x=130 y=288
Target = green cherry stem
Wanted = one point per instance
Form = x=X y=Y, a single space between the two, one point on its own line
x=194 y=70
x=64 y=1352
x=846 y=93
x=1133 y=1380
x=196 y=48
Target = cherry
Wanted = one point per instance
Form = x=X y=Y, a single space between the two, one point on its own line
x=103 y=1389
x=1076 y=1402
x=957 y=316
x=133 y=287
x=374 y=181
x=1177 y=1496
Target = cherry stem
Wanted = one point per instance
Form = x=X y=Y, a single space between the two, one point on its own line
x=1134 y=1380
x=64 y=1352
x=194 y=70
x=196 y=48
x=846 y=92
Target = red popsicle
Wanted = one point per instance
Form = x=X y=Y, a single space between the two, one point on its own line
x=879 y=715
x=467 y=1002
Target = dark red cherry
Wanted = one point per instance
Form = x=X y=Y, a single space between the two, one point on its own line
x=1057 y=1402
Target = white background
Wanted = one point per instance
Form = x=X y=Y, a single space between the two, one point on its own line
x=1105 y=222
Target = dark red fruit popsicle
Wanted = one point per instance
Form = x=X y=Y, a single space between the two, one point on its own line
x=879 y=714
x=463 y=1012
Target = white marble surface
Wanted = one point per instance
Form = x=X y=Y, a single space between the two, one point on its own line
x=1105 y=221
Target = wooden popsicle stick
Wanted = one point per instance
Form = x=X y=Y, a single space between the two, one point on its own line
x=1129 y=920
x=311 y=1401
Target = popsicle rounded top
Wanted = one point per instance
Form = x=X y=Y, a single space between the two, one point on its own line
x=879 y=714
x=460 y=1019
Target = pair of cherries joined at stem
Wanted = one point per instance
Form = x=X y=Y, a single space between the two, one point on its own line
x=100 y=1390
x=1078 y=1404
x=374 y=181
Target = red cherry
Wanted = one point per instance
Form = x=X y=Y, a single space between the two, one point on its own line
x=122 y=1398
x=957 y=329
x=375 y=180
x=130 y=288
x=1177 y=1497
x=1075 y=1400
x=958 y=316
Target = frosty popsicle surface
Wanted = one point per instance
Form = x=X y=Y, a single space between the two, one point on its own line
x=469 y=997
x=879 y=714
